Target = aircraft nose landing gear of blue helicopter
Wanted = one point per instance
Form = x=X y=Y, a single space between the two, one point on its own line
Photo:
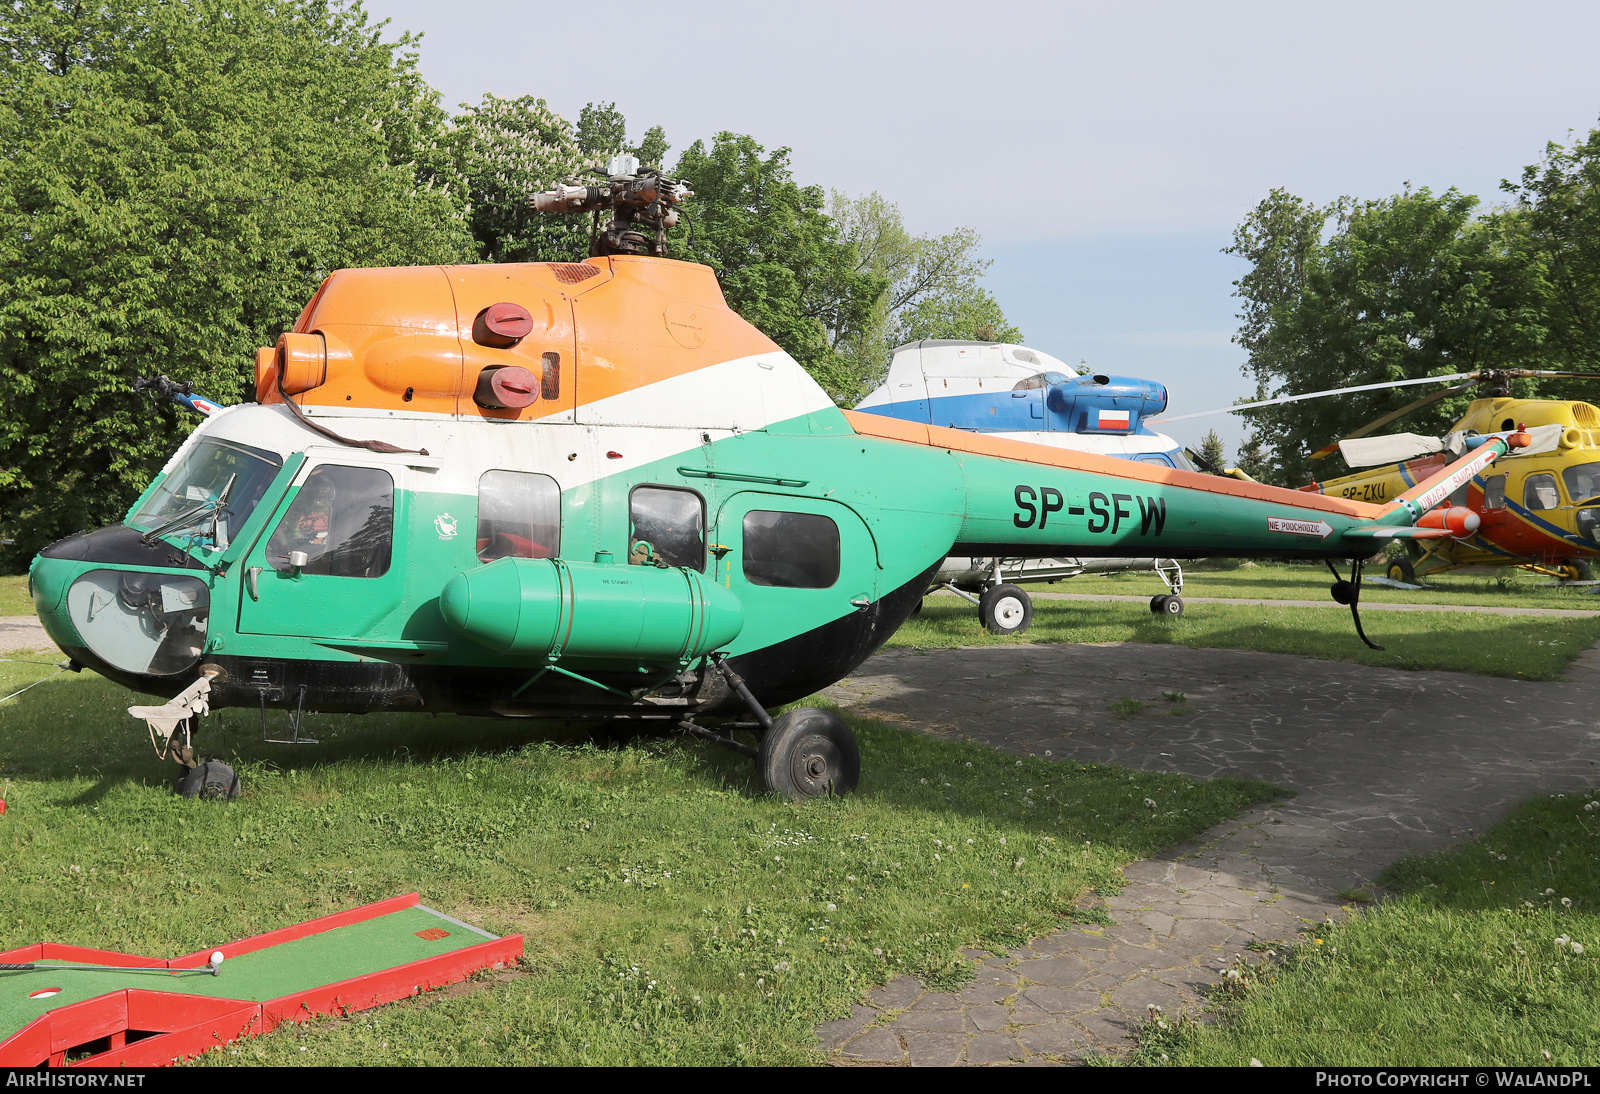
x=1005 y=609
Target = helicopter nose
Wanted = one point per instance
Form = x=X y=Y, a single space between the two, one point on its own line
x=141 y=622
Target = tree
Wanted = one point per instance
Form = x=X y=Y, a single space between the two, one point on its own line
x=1213 y=453
x=503 y=151
x=931 y=289
x=175 y=180
x=781 y=261
x=1408 y=286
x=602 y=131
x=1560 y=202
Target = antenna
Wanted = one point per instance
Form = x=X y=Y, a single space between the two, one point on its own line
x=641 y=203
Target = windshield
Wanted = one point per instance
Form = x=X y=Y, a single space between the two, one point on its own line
x=202 y=476
x=1583 y=481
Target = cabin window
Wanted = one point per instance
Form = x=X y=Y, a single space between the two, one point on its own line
x=519 y=516
x=1583 y=481
x=666 y=527
x=343 y=519
x=1539 y=492
x=1155 y=458
x=1494 y=492
x=790 y=550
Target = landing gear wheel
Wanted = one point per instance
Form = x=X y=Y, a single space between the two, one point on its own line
x=808 y=753
x=1158 y=604
x=1400 y=569
x=1577 y=571
x=1173 y=606
x=209 y=780
x=1006 y=609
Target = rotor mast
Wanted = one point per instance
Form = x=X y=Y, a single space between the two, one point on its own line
x=643 y=205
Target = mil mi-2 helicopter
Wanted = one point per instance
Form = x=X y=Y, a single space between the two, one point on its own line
x=591 y=490
x=1539 y=509
x=1028 y=395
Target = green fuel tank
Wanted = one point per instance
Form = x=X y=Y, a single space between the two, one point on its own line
x=550 y=608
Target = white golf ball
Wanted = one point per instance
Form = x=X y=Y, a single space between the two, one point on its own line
x=216 y=958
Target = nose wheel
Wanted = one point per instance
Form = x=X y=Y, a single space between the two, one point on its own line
x=1006 y=609
x=209 y=780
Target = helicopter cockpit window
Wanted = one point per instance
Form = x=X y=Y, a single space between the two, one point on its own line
x=790 y=550
x=1494 y=492
x=201 y=478
x=666 y=527
x=519 y=516
x=1041 y=379
x=1540 y=492
x=1583 y=481
x=343 y=519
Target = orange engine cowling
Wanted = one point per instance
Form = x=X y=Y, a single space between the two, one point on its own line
x=1458 y=520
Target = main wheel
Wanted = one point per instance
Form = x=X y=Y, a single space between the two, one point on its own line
x=1400 y=569
x=1006 y=609
x=1173 y=606
x=808 y=753
x=1158 y=604
x=1580 y=570
x=210 y=780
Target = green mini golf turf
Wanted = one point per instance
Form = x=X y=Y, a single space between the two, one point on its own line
x=356 y=949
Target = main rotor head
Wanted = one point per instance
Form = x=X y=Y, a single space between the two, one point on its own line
x=643 y=204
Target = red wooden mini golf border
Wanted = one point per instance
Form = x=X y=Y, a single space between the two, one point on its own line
x=187 y=1025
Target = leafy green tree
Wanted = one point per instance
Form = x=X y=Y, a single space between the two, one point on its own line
x=502 y=152
x=652 y=150
x=602 y=131
x=175 y=180
x=1408 y=286
x=1560 y=201
x=781 y=260
x=931 y=289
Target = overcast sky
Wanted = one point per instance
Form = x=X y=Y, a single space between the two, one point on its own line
x=1104 y=151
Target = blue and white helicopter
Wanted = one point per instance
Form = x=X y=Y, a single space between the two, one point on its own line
x=1028 y=395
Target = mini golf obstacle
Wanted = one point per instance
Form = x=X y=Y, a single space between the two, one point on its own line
x=107 y=1009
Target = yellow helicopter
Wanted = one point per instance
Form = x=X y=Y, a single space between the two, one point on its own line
x=1538 y=509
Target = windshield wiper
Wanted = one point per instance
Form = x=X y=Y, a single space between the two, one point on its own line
x=215 y=507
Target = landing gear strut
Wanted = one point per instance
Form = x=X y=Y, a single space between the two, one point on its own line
x=804 y=753
x=171 y=727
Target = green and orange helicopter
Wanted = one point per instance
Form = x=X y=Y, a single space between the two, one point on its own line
x=591 y=490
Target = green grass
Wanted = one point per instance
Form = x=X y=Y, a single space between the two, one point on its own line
x=1502 y=587
x=14 y=598
x=1522 y=647
x=1463 y=969
x=672 y=914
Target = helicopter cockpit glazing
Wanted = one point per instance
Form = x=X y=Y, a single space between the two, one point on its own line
x=198 y=482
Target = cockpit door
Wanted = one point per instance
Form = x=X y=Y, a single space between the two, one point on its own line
x=328 y=563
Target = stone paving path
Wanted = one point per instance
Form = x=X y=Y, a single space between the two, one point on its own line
x=1386 y=763
x=24 y=632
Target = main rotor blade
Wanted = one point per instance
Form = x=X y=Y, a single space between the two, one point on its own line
x=1316 y=395
x=1387 y=418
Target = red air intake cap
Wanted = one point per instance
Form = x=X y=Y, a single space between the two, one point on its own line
x=507 y=387
x=502 y=325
